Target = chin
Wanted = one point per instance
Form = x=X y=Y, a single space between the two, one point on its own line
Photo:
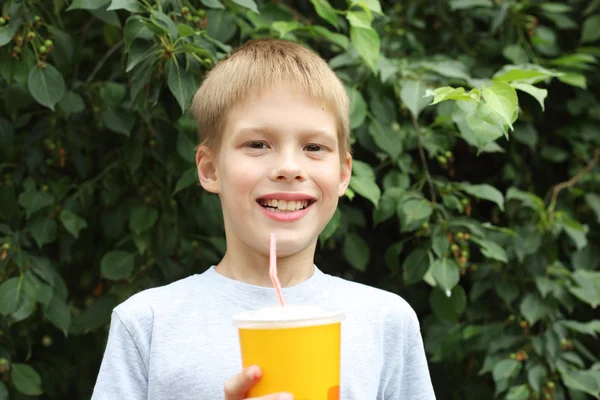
x=288 y=245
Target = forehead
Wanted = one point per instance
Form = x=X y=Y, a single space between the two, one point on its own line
x=281 y=107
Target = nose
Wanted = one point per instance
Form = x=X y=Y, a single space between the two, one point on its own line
x=288 y=168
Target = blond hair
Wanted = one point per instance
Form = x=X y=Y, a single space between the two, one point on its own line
x=262 y=64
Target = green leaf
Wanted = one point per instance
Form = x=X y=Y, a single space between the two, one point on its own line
x=502 y=99
x=46 y=85
x=575 y=230
x=413 y=95
x=118 y=121
x=574 y=79
x=491 y=249
x=591 y=29
x=536 y=377
x=37 y=289
x=331 y=226
x=87 y=4
x=188 y=178
x=466 y=4
x=539 y=94
x=130 y=5
x=113 y=94
x=134 y=29
x=337 y=38
x=364 y=184
x=448 y=308
x=26 y=379
x=516 y=54
x=486 y=192
x=506 y=369
x=43 y=230
x=415 y=266
x=285 y=27
x=587 y=328
x=142 y=218
x=367 y=44
x=356 y=251
x=71 y=103
x=478 y=124
x=386 y=138
x=249 y=4
x=556 y=7
x=3 y=391
x=117 y=265
x=446 y=274
x=530 y=74
x=213 y=4
x=533 y=308
x=58 y=313
x=416 y=210
x=450 y=93
x=165 y=23
x=72 y=222
x=358 y=108
x=585 y=381
x=588 y=287
x=185 y=147
x=34 y=201
x=9 y=296
x=181 y=83
x=593 y=200
x=326 y=11
x=359 y=19
x=372 y=5
x=520 y=392
x=440 y=244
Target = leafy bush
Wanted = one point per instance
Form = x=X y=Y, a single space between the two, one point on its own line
x=474 y=192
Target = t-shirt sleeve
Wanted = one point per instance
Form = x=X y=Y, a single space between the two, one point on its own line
x=123 y=372
x=412 y=380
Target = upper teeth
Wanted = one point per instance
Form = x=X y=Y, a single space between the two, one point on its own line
x=284 y=205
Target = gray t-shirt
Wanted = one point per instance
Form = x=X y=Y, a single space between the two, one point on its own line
x=178 y=341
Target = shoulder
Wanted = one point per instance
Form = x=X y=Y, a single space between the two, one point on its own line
x=389 y=308
x=142 y=307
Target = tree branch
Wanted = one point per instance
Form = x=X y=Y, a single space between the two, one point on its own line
x=571 y=182
x=423 y=159
x=103 y=60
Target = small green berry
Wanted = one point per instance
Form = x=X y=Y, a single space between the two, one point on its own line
x=2 y=21
x=442 y=159
x=6 y=246
x=17 y=49
x=43 y=49
x=185 y=10
x=196 y=19
x=48 y=43
x=454 y=247
x=37 y=18
x=31 y=35
x=448 y=154
x=201 y=13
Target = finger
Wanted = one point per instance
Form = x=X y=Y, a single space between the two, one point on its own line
x=238 y=385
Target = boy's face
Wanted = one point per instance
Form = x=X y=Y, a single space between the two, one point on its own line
x=277 y=170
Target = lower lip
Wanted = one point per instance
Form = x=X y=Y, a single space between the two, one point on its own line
x=285 y=216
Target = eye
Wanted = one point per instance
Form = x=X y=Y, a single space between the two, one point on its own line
x=256 y=145
x=314 y=147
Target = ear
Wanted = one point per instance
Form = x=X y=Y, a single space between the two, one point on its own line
x=345 y=174
x=207 y=171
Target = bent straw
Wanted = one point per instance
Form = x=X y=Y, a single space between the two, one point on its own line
x=273 y=269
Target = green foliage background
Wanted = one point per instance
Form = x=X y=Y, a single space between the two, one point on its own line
x=475 y=190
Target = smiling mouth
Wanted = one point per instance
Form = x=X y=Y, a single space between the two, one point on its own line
x=275 y=205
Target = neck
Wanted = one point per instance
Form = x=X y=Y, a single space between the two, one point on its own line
x=249 y=266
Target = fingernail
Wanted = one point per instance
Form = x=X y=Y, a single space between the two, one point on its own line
x=286 y=396
x=252 y=372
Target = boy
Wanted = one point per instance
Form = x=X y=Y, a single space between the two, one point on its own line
x=274 y=124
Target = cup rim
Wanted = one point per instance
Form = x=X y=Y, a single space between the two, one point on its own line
x=278 y=317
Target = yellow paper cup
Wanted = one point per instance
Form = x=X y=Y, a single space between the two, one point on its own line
x=297 y=348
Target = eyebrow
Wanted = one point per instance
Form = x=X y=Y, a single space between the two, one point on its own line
x=269 y=131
